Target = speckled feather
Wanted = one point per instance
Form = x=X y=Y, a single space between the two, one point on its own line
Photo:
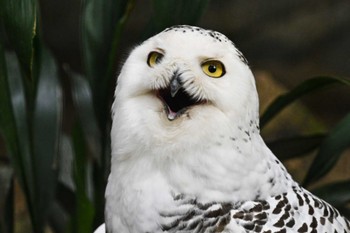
x=204 y=167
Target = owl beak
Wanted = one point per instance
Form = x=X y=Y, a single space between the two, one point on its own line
x=175 y=98
x=175 y=84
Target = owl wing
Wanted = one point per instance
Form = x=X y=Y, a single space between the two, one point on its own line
x=295 y=211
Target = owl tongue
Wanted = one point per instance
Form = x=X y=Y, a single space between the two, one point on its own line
x=175 y=104
x=175 y=98
x=171 y=115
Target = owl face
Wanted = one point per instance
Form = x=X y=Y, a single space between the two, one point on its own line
x=187 y=73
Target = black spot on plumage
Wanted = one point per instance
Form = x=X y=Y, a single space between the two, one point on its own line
x=330 y=219
x=317 y=203
x=278 y=197
x=313 y=224
x=268 y=231
x=261 y=216
x=249 y=226
x=277 y=210
x=322 y=220
x=333 y=212
x=279 y=223
x=239 y=215
x=325 y=211
x=285 y=199
x=300 y=199
x=306 y=198
x=281 y=204
x=248 y=217
x=291 y=223
x=288 y=208
x=265 y=205
x=281 y=231
x=303 y=228
x=311 y=210
x=256 y=208
x=285 y=216
x=257 y=228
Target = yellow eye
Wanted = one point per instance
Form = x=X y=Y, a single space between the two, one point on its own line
x=154 y=58
x=213 y=68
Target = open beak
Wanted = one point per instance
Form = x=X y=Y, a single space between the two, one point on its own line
x=175 y=98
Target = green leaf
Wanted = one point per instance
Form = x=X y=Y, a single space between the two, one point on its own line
x=84 y=214
x=14 y=124
x=337 y=194
x=7 y=118
x=176 y=12
x=302 y=89
x=103 y=22
x=102 y=25
x=288 y=148
x=47 y=120
x=83 y=102
x=19 y=18
x=330 y=151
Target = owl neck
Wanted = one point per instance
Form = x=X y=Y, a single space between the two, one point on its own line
x=220 y=163
x=234 y=169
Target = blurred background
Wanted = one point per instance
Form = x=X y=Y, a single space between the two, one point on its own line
x=286 y=42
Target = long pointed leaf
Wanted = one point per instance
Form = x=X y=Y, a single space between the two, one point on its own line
x=14 y=126
x=302 y=89
x=288 y=148
x=84 y=214
x=19 y=18
x=337 y=194
x=46 y=132
x=83 y=102
x=330 y=150
x=102 y=25
x=103 y=22
x=7 y=117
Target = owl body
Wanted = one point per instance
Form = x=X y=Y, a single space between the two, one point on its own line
x=187 y=155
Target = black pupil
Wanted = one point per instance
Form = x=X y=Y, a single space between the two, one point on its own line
x=157 y=58
x=212 y=68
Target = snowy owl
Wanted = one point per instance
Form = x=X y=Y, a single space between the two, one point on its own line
x=187 y=155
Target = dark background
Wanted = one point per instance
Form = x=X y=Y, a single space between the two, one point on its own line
x=292 y=40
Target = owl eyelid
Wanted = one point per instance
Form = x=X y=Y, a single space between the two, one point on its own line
x=159 y=50
x=205 y=60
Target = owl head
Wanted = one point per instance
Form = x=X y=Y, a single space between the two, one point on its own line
x=182 y=80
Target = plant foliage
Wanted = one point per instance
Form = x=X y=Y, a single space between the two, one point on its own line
x=63 y=174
